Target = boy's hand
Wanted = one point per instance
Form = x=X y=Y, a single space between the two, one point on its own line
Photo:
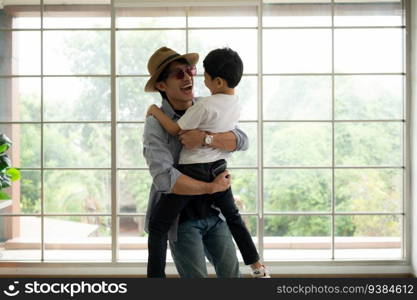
x=151 y=110
x=222 y=182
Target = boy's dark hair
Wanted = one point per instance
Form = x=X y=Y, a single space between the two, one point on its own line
x=224 y=63
x=165 y=73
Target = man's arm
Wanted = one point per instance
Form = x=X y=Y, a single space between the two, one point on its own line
x=169 y=125
x=225 y=141
x=235 y=140
x=186 y=185
x=166 y=178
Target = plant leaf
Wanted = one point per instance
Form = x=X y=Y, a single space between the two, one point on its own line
x=4 y=196
x=5 y=181
x=13 y=173
x=5 y=143
x=3 y=148
x=5 y=162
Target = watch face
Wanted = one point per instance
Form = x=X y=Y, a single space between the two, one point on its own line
x=208 y=139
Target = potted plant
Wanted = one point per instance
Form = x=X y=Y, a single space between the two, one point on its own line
x=7 y=172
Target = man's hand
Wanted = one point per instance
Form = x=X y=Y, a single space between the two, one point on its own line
x=192 y=138
x=152 y=109
x=221 y=183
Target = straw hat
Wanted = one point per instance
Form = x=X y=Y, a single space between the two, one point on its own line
x=160 y=59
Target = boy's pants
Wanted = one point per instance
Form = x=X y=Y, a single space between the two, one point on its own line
x=171 y=205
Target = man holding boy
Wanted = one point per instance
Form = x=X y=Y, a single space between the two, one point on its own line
x=199 y=231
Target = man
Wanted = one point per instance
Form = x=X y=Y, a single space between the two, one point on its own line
x=199 y=231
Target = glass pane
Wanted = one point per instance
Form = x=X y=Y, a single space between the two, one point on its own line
x=76 y=16
x=293 y=13
x=247 y=91
x=297 y=190
x=369 y=144
x=298 y=144
x=369 y=190
x=15 y=59
x=76 y=52
x=18 y=15
x=298 y=51
x=297 y=237
x=150 y=17
x=133 y=101
x=297 y=97
x=368 y=50
x=133 y=240
x=78 y=238
x=134 y=48
x=20 y=238
x=26 y=138
x=30 y=191
x=134 y=187
x=83 y=191
x=77 y=145
x=223 y=16
x=20 y=99
x=369 y=97
x=130 y=153
x=25 y=194
x=77 y=99
x=368 y=237
x=245 y=189
x=243 y=41
x=367 y=13
x=246 y=158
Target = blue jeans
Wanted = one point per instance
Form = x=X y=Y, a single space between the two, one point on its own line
x=200 y=238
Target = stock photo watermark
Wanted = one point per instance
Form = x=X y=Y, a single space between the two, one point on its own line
x=71 y=289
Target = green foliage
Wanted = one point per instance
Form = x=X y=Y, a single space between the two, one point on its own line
x=5 y=143
x=13 y=173
x=7 y=173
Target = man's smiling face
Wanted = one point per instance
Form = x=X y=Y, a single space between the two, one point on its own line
x=179 y=84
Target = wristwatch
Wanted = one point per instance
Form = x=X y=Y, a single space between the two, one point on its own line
x=208 y=140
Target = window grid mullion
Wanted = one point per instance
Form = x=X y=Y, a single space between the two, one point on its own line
x=240 y=121
x=231 y=167
x=114 y=139
x=201 y=28
x=42 y=196
x=333 y=228
x=261 y=220
x=406 y=93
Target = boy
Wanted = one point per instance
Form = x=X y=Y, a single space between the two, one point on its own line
x=217 y=113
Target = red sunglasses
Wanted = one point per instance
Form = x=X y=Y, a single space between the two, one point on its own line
x=180 y=73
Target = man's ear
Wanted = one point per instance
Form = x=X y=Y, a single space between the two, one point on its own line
x=160 y=86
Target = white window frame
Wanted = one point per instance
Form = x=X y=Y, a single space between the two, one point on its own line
x=331 y=266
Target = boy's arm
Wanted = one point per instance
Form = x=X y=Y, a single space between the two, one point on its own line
x=169 y=125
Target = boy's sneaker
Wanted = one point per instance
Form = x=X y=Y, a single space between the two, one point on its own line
x=260 y=273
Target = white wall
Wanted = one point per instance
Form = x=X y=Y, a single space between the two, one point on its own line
x=414 y=136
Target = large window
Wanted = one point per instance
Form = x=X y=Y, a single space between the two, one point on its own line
x=323 y=106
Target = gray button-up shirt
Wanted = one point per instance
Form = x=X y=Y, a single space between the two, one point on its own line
x=162 y=151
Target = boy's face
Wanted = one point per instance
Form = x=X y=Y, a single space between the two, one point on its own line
x=180 y=82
